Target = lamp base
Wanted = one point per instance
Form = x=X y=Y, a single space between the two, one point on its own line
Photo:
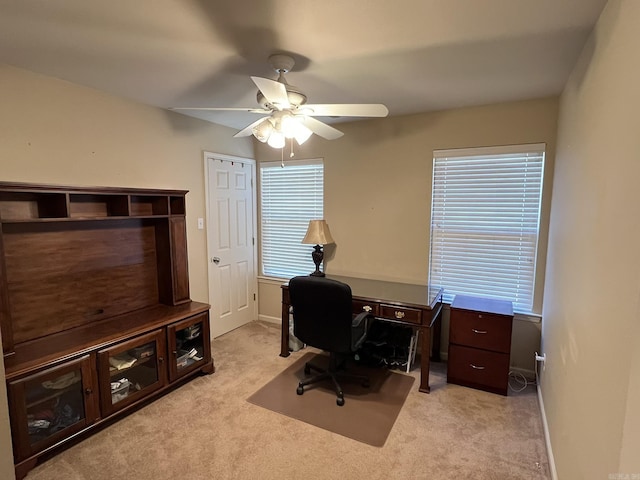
x=317 y=256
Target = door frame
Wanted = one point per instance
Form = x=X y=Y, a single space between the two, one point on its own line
x=209 y=228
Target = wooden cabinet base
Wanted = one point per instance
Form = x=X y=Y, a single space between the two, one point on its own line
x=480 y=343
x=23 y=467
x=95 y=314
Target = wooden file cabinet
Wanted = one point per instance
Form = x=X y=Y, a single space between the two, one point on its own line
x=480 y=343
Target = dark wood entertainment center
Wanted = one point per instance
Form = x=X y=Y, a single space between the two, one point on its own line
x=95 y=312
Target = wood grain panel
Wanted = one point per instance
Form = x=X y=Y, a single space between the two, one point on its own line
x=179 y=259
x=60 y=277
x=480 y=330
x=477 y=368
x=5 y=315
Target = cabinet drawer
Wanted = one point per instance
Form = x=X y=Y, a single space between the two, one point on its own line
x=403 y=314
x=481 y=330
x=360 y=306
x=477 y=368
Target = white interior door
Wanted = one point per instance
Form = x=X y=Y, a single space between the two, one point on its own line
x=231 y=242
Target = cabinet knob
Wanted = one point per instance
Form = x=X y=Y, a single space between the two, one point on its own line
x=161 y=359
x=476 y=367
x=478 y=331
x=367 y=308
x=88 y=391
x=398 y=314
x=175 y=352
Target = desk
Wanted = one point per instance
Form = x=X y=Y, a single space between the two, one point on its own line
x=417 y=306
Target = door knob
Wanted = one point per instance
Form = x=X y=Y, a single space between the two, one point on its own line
x=216 y=260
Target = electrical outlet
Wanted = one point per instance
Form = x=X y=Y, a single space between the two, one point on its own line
x=200 y=223
x=541 y=358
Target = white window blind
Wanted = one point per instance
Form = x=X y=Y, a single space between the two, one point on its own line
x=290 y=197
x=485 y=218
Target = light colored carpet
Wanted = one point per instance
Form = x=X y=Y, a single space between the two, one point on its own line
x=367 y=415
x=208 y=430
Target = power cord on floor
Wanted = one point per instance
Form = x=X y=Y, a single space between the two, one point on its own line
x=520 y=381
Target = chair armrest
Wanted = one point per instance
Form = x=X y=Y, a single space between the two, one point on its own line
x=361 y=317
x=359 y=329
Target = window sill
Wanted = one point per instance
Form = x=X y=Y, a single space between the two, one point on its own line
x=271 y=280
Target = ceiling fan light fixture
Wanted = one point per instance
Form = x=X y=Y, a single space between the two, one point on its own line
x=263 y=130
x=276 y=140
x=289 y=116
x=302 y=134
x=289 y=125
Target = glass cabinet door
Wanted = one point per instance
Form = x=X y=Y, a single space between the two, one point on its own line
x=52 y=405
x=189 y=344
x=131 y=370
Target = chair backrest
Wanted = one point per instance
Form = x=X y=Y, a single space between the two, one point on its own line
x=322 y=312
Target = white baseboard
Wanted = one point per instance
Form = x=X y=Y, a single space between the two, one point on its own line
x=270 y=319
x=547 y=437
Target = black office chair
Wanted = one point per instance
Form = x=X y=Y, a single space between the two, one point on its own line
x=322 y=318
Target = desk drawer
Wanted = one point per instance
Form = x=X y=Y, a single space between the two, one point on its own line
x=480 y=330
x=360 y=306
x=402 y=314
x=480 y=369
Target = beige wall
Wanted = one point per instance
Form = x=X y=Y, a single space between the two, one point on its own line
x=591 y=327
x=378 y=191
x=52 y=131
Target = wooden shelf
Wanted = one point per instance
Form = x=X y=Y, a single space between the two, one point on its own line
x=32 y=206
x=34 y=203
x=149 y=205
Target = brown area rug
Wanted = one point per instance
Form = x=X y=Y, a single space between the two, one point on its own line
x=367 y=415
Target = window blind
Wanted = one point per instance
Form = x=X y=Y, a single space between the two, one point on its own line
x=290 y=196
x=485 y=218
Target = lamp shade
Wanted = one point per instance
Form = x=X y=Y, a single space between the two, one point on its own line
x=318 y=233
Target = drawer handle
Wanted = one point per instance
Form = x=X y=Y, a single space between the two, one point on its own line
x=398 y=314
x=476 y=367
x=478 y=331
x=367 y=308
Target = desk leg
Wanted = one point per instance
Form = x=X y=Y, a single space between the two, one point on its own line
x=284 y=334
x=437 y=334
x=425 y=362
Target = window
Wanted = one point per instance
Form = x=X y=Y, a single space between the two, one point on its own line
x=485 y=217
x=290 y=196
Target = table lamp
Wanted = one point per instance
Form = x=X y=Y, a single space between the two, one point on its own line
x=318 y=234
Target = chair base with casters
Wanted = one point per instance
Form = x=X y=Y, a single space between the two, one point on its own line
x=323 y=318
x=333 y=372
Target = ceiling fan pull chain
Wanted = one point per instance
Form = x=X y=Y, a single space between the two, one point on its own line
x=291 y=154
x=282 y=157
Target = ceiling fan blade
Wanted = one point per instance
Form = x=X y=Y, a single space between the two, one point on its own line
x=321 y=129
x=224 y=109
x=248 y=130
x=345 y=110
x=274 y=92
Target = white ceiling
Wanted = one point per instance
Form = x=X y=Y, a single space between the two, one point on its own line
x=412 y=55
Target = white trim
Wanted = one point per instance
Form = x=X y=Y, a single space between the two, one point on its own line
x=270 y=319
x=497 y=150
x=547 y=436
x=252 y=163
x=271 y=280
x=306 y=161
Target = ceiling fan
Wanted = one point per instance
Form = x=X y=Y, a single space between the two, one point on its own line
x=288 y=115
